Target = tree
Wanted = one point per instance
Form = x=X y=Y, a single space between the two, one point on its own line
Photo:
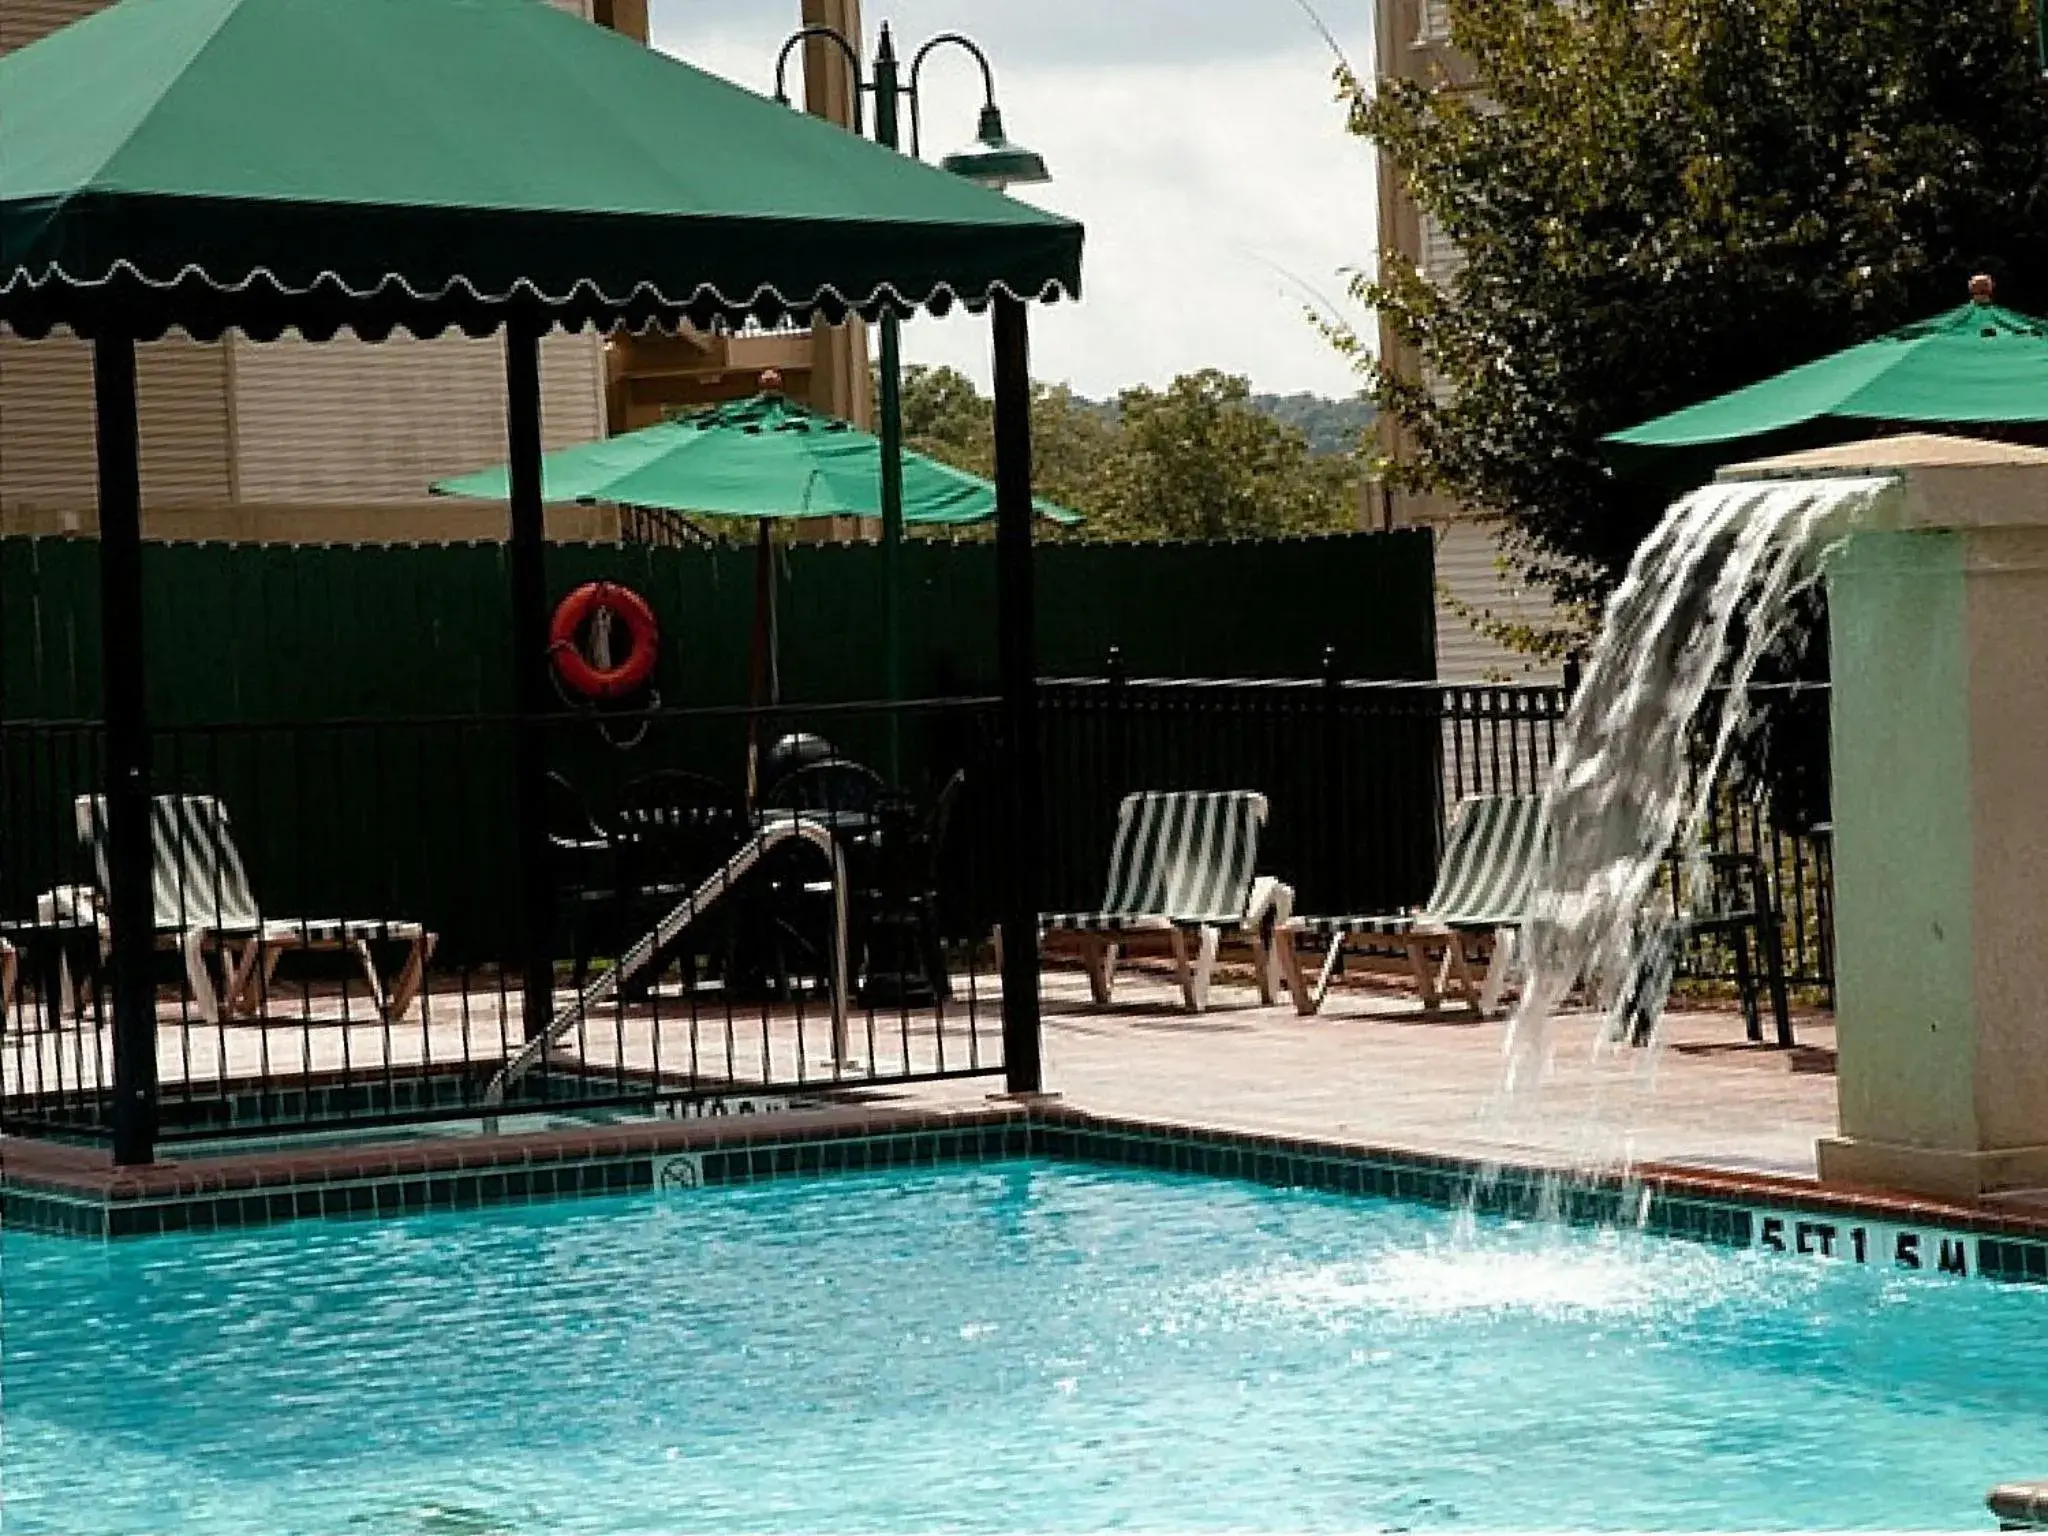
x=1197 y=460
x=945 y=416
x=1661 y=200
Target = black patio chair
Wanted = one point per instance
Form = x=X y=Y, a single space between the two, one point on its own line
x=905 y=949
x=849 y=797
x=1739 y=910
x=671 y=831
x=837 y=786
x=583 y=872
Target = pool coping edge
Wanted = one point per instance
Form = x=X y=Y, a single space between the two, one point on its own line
x=58 y=1188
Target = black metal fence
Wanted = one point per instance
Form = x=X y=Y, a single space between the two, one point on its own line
x=1361 y=775
x=339 y=923
x=338 y=916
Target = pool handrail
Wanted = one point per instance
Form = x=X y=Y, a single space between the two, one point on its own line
x=672 y=924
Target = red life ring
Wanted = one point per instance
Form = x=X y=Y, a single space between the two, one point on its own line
x=588 y=603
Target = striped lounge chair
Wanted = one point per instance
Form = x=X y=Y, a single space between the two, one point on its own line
x=1180 y=880
x=202 y=898
x=1482 y=893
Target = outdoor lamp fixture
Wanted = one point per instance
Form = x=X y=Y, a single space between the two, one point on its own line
x=992 y=161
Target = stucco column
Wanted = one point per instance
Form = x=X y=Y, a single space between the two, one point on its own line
x=1938 y=616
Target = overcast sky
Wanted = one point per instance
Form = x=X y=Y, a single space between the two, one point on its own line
x=1198 y=140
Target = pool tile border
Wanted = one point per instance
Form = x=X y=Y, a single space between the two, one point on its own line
x=75 y=1191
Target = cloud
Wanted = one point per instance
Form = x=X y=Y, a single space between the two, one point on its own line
x=1221 y=194
x=1064 y=31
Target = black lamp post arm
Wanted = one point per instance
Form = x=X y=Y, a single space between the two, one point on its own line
x=988 y=77
x=818 y=29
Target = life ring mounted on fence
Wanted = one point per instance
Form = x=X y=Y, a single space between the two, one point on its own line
x=589 y=615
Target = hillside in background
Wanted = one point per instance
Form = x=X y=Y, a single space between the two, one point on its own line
x=1331 y=426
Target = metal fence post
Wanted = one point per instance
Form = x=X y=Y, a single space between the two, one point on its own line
x=1017 y=649
x=1117 y=705
x=527 y=558
x=131 y=908
x=1336 y=846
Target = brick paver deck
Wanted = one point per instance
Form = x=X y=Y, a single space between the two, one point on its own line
x=1372 y=1068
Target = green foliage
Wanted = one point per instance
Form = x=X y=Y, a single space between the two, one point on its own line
x=1196 y=460
x=1662 y=200
x=1331 y=426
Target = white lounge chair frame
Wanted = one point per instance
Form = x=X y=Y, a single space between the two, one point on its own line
x=201 y=895
x=1481 y=898
x=1180 y=880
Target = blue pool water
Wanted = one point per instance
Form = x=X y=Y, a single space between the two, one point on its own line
x=1016 y=1346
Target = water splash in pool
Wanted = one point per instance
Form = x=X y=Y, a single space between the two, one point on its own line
x=1704 y=599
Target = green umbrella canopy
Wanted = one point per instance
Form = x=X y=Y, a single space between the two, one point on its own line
x=767 y=457
x=427 y=163
x=1976 y=364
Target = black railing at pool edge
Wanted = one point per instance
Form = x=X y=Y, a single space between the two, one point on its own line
x=306 y=860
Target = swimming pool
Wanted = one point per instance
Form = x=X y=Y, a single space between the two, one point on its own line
x=1008 y=1346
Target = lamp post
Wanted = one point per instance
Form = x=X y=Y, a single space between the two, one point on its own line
x=992 y=161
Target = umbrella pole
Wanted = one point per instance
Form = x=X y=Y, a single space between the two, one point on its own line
x=892 y=536
x=764 y=560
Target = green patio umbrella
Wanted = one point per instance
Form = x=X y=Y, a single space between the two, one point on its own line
x=766 y=457
x=1975 y=365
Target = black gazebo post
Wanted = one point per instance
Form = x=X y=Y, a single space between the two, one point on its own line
x=1017 y=660
x=528 y=570
x=130 y=907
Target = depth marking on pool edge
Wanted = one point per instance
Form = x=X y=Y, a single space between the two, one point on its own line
x=684 y=1170
x=1874 y=1244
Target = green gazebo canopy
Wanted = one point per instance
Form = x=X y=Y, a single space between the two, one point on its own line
x=433 y=163
x=767 y=457
x=1977 y=364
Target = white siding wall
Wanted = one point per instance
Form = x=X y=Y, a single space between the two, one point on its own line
x=1468 y=576
x=1441 y=259
x=46 y=423
x=346 y=421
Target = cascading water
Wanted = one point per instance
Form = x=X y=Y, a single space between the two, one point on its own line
x=1704 y=599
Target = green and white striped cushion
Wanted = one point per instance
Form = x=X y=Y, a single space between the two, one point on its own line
x=1486 y=879
x=198 y=881
x=196 y=876
x=1184 y=857
x=1490 y=862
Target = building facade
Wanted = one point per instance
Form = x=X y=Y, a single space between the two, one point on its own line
x=338 y=442
x=1412 y=39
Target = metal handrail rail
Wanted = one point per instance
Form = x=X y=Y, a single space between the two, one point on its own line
x=679 y=917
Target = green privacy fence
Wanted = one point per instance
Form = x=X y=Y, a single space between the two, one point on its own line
x=264 y=633
x=349 y=703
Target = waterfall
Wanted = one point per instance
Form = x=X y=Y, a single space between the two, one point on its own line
x=1704 y=599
